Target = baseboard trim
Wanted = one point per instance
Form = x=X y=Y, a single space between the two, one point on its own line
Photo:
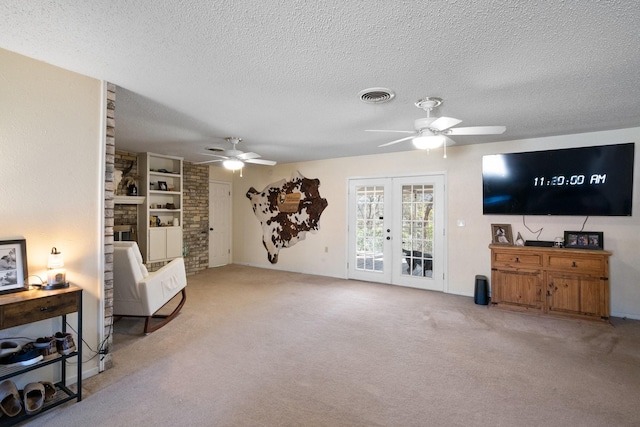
x=626 y=316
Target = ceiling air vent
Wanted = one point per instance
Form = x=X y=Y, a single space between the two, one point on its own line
x=215 y=149
x=376 y=95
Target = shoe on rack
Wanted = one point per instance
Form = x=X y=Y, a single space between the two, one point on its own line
x=48 y=347
x=9 y=347
x=33 y=398
x=28 y=355
x=10 y=399
x=49 y=390
x=65 y=343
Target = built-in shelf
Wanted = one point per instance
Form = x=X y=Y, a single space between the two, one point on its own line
x=161 y=182
x=128 y=200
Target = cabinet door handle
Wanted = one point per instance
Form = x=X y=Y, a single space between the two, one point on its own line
x=44 y=308
x=517 y=259
x=574 y=265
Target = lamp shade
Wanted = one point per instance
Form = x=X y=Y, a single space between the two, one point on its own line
x=233 y=164
x=55 y=259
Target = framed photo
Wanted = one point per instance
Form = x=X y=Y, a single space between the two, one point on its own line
x=162 y=186
x=584 y=239
x=13 y=266
x=501 y=234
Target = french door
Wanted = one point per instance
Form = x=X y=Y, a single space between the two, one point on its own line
x=396 y=231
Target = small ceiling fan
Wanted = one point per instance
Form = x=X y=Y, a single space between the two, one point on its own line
x=433 y=132
x=234 y=159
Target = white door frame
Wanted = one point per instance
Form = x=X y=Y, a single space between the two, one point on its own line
x=392 y=225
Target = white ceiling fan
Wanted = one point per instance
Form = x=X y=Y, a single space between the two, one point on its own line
x=433 y=132
x=234 y=159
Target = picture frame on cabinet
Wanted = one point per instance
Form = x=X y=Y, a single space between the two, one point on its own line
x=162 y=186
x=584 y=239
x=501 y=234
x=13 y=266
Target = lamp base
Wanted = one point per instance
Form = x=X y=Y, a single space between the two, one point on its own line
x=55 y=286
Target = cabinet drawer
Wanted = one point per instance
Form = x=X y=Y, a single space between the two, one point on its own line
x=517 y=259
x=569 y=263
x=38 y=309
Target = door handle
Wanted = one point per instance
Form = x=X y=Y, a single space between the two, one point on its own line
x=211 y=229
x=388 y=237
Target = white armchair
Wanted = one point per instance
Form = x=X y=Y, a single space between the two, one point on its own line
x=138 y=293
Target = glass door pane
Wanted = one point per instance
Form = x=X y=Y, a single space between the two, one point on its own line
x=417 y=230
x=369 y=231
x=418 y=205
x=369 y=228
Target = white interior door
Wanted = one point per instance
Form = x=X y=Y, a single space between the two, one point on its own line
x=396 y=231
x=219 y=223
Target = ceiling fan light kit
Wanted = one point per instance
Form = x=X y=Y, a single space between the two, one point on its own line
x=431 y=132
x=427 y=142
x=233 y=164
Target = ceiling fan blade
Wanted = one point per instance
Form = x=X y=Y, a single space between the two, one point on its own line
x=442 y=123
x=261 y=162
x=477 y=130
x=216 y=155
x=210 y=161
x=248 y=156
x=383 y=130
x=396 y=141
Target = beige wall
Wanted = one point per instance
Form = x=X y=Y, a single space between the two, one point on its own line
x=468 y=254
x=51 y=165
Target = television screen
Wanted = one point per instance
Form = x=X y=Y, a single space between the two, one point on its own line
x=591 y=181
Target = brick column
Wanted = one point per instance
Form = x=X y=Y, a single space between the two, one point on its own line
x=109 y=191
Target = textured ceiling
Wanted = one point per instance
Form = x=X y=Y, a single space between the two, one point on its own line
x=285 y=75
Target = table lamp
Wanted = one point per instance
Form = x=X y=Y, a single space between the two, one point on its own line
x=56 y=273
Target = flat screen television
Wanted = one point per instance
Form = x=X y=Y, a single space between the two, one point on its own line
x=588 y=181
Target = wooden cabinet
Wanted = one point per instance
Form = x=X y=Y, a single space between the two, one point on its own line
x=30 y=306
x=568 y=282
x=160 y=214
x=521 y=288
x=578 y=283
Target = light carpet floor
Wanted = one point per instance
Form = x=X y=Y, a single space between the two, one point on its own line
x=258 y=347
